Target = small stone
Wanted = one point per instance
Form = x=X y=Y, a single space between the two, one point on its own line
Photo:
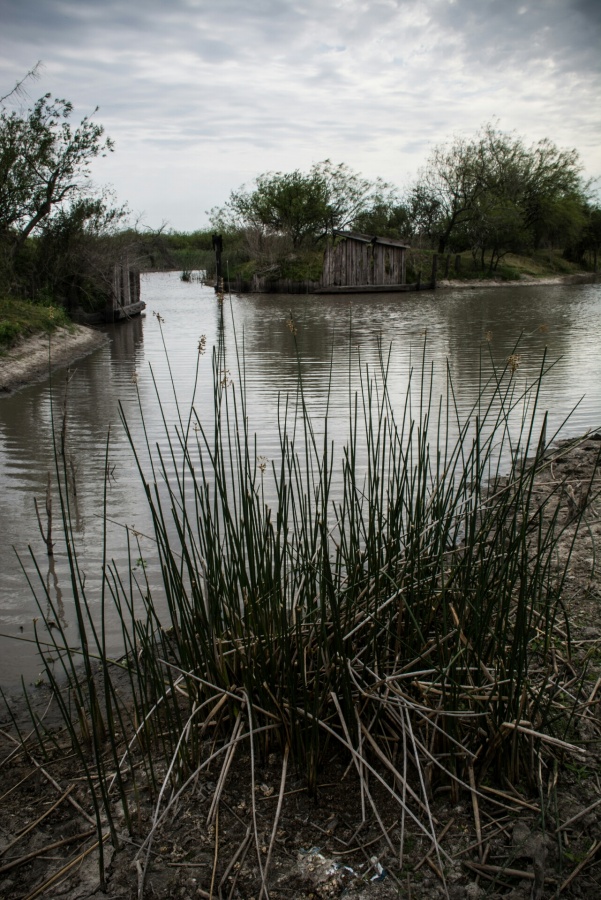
x=473 y=891
x=520 y=835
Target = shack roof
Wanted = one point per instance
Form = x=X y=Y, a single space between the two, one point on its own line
x=371 y=239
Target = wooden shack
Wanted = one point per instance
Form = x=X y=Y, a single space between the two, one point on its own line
x=361 y=262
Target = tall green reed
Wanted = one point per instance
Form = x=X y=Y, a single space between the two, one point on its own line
x=395 y=595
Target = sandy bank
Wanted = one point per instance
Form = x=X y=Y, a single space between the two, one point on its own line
x=524 y=281
x=28 y=362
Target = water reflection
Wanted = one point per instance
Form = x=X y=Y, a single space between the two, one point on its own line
x=334 y=336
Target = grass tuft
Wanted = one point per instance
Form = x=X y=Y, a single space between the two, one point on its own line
x=406 y=616
x=19 y=318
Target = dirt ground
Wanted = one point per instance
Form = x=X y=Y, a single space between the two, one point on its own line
x=29 y=361
x=539 y=838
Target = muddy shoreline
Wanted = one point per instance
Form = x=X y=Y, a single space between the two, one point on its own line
x=32 y=359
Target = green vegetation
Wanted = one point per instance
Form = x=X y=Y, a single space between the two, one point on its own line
x=489 y=197
x=171 y=251
x=242 y=257
x=19 y=318
x=406 y=620
x=55 y=242
x=277 y=228
x=303 y=207
x=513 y=266
x=493 y=195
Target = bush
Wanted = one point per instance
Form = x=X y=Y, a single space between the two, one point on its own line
x=9 y=332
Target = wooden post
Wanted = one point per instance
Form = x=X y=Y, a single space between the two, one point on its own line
x=434 y=270
x=217 y=241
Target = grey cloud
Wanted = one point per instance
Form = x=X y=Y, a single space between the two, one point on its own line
x=500 y=33
x=196 y=87
x=590 y=10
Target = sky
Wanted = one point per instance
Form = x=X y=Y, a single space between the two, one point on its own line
x=200 y=96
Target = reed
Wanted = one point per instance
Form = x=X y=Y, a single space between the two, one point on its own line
x=406 y=616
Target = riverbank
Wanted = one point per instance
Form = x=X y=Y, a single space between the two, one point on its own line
x=30 y=360
x=523 y=281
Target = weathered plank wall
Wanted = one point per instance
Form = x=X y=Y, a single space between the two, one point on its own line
x=126 y=286
x=357 y=263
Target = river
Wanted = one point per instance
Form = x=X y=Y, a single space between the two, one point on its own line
x=334 y=334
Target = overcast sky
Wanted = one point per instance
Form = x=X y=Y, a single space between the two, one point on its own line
x=203 y=95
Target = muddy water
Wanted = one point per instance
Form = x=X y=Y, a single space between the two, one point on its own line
x=333 y=335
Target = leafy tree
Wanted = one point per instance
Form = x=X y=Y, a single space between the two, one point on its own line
x=586 y=247
x=496 y=227
x=447 y=191
x=493 y=185
x=44 y=164
x=52 y=230
x=77 y=248
x=350 y=196
x=290 y=203
x=302 y=206
x=385 y=219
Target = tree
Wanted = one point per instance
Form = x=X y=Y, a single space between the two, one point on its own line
x=448 y=190
x=496 y=226
x=591 y=235
x=302 y=206
x=553 y=193
x=53 y=230
x=289 y=203
x=494 y=184
x=77 y=248
x=350 y=196
x=19 y=88
x=44 y=164
x=391 y=220
x=586 y=247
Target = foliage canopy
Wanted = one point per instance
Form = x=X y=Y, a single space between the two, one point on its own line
x=51 y=220
x=492 y=191
x=44 y=163
x=303 y=206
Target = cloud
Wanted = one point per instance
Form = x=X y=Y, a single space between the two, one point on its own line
x=201 y=96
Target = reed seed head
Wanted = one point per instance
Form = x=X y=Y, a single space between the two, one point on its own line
x=513 y=362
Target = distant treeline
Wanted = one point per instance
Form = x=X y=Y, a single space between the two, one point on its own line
x=486 y=197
